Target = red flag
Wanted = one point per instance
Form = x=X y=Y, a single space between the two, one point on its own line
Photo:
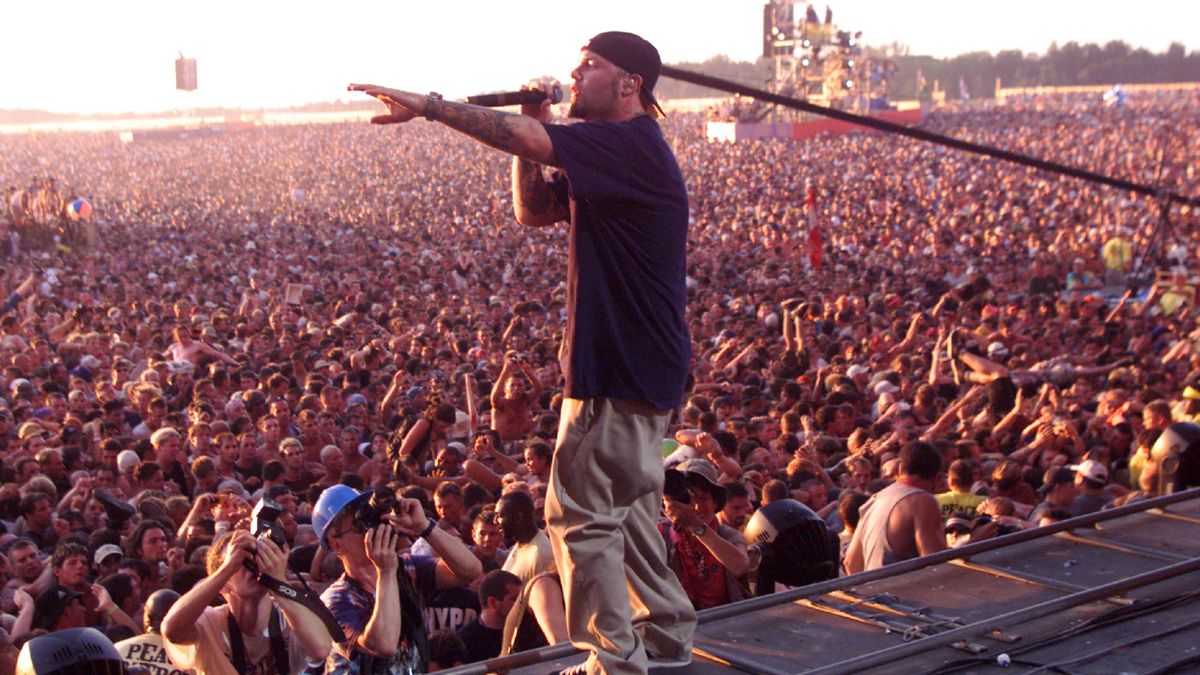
x=816 y=241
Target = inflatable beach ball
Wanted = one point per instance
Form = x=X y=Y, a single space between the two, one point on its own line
x=80 y=209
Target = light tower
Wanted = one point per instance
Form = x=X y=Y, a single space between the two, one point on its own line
x=813 y=60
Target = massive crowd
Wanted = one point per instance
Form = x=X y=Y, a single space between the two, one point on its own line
x=274 y=312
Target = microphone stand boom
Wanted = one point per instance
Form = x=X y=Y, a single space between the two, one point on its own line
x=921 y=134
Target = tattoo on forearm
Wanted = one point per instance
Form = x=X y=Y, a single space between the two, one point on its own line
x=535 y=193
x=490 y=126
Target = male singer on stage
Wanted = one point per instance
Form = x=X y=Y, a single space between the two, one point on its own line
x=626 y=346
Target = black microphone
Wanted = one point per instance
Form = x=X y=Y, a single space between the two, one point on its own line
x=506 y=98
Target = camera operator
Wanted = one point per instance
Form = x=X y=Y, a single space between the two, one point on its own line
x=377 y=600
x=229 y=639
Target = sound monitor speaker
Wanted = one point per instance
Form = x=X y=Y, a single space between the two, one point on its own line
x=185 y=74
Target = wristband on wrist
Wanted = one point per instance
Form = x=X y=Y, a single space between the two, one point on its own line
x=433 y=106
x=428 y=529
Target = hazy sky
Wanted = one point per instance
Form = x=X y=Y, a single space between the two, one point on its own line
x=117 y=55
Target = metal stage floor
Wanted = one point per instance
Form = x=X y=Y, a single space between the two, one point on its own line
x=1113 y=592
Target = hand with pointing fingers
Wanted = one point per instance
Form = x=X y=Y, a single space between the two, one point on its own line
x=402 y=105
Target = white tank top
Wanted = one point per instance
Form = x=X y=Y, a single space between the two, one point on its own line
x=873 y=521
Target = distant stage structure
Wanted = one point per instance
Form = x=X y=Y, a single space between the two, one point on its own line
x=185 y=73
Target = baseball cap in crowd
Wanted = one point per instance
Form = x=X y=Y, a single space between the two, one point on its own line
x=127 y=461
x=22 y=387
x=997 y=349
x=231 y=486
x=81 y=372
x=856 y=370
x=959 y=523
x=1091 y=470
x=413 y=392
x=885 y=387
x=49 y=607
x=29 y=430
x=632 y=54
x=356 y=399
x=105 y=551
x=1056 y=477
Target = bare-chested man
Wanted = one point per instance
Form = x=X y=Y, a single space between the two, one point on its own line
x=511 y=400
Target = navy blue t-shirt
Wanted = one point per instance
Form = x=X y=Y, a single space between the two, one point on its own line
x=626 y=336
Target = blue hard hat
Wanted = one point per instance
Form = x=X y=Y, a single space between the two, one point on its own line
x=330 y=505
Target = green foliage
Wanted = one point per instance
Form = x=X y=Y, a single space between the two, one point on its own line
x=750 y=74
x=1069 y=64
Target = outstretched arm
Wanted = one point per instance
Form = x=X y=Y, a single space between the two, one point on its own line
x=515 y=134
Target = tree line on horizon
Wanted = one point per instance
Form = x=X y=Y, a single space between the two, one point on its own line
x=1070 y=64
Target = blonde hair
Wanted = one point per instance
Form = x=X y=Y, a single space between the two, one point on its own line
x=216 y=551
x=157 y=438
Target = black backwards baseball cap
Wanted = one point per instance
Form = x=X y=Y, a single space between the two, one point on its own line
x=632 y=54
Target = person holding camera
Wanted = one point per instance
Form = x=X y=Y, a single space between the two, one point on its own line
x=256 y=631
x=710 y=559
x=378 y=599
